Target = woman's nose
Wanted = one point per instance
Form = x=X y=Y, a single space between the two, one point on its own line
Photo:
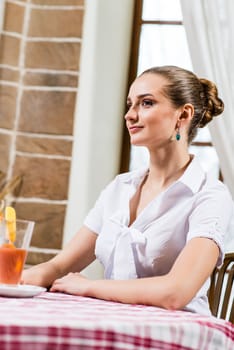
x=131 y=114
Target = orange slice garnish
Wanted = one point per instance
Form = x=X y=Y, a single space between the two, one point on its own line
x=10 y=217
x=8 y=245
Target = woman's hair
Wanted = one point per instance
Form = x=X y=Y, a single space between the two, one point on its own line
x=185 y=87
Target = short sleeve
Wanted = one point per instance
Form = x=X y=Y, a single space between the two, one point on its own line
x=93 y=220
x=95 y=217
x=211 y=216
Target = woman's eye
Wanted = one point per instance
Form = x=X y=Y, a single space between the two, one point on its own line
x=147 y=103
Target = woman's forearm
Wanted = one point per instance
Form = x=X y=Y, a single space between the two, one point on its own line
x=77 y=254
x=155 y=291
x=43 y=274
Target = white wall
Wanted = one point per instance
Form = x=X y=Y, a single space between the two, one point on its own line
x=100 y=105
x=2 y=7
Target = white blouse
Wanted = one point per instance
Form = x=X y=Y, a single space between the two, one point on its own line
x=193 y=206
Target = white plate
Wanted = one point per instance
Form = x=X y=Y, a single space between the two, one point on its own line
x=20 y=291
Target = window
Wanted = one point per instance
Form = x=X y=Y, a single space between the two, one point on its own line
x=159 y=38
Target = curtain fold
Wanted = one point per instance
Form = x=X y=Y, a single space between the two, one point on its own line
x=209 y=28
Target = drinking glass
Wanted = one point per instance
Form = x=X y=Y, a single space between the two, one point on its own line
x=13 y=254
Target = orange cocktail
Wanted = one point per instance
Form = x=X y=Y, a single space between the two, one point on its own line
x=11 y=263
x=15 y=237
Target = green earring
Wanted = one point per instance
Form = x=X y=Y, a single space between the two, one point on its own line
x=178 y=134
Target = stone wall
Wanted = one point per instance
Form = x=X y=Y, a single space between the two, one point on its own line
x=39 y=76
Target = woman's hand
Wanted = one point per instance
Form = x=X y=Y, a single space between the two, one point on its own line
x=34 y=276
x=41 y=275
x=72 y=283
x=77 y=254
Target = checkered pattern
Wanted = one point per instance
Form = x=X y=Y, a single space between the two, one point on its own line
x=56 y=321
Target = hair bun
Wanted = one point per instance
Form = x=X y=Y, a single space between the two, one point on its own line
x=213 y=105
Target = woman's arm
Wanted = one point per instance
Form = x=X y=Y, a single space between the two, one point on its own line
x=77 y=254
x=172 y=291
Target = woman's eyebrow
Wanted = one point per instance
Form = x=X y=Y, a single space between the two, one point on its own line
x=144 y=95
x=141 y=96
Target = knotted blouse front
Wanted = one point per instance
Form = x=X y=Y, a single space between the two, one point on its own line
x=193 y=206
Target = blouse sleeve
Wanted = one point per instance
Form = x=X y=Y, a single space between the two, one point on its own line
x=94 y=218
x=211 y=216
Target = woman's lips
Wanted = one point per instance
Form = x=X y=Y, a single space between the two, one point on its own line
x=134 y=129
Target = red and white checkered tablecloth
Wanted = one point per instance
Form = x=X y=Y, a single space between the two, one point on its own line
x=55 y=321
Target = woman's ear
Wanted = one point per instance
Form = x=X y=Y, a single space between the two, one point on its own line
x=187 y=113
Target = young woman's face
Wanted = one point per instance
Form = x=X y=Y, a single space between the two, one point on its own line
x=151 y=119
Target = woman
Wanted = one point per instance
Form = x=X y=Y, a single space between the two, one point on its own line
x=157 y=231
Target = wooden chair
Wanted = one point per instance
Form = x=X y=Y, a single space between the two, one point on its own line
x=221 y=292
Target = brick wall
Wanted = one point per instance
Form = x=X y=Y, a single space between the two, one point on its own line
x=39 y=75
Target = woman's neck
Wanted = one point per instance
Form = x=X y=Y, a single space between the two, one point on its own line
x=167 y=168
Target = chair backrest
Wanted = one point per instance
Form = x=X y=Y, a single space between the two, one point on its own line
x=221 y=292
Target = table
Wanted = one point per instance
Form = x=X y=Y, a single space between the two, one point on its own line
x=58 y=321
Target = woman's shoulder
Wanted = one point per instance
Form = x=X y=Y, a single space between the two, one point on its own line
x=207 y=182
x=215 y=194
x=215 y=185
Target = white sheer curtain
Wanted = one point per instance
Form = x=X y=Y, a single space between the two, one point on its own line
x=209 y=27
